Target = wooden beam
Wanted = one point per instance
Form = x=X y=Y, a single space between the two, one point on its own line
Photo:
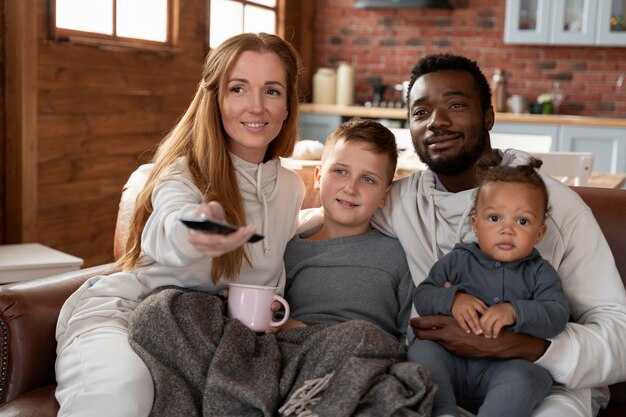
x=21 y=121
x=295 y=24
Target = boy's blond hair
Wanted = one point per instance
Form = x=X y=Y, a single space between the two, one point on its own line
x=379 y=139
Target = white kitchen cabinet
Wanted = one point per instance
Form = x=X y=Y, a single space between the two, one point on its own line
x=527 y=133
x=527 y=21
x=574 y=22
x=315 y=126
x=612 y=23
x=608 y=145
x=555 y=22
x=565 y=22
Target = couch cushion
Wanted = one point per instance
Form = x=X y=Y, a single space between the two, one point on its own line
x=609 y=207
x=130 y=191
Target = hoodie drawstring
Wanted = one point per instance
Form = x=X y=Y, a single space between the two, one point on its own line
x=464 y=217
x=261 y=196
x=433 y=227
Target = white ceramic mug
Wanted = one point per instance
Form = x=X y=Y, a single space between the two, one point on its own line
x=250 y=304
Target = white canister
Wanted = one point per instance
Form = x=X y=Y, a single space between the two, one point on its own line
x=517 y=104
x=324 y=86
x=345 y=84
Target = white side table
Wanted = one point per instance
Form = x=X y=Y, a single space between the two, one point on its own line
x=25 y=261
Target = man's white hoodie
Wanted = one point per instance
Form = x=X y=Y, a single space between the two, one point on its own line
x=591 y=352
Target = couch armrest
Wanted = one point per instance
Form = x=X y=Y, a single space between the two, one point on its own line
x=28 y=317
x=39 y=402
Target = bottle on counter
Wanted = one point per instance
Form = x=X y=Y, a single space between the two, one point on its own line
x=345 y=84
x=558 y=96
x=498 y=91
x=324 y=86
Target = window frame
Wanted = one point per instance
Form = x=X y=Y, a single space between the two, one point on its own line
x=114 y=41
x=276 y=9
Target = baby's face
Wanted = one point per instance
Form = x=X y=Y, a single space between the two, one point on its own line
x=509 y=219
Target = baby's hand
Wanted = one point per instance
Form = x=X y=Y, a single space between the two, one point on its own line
x=466 y=310
x=214 y=244
x=496 y=317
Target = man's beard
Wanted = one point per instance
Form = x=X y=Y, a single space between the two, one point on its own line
x=455 y=164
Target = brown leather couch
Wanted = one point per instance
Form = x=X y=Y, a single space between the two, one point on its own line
x=29 y=310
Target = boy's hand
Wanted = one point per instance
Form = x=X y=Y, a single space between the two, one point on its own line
x=466 y=310
x=291 y=324
x=276 y=306
x=496 y=317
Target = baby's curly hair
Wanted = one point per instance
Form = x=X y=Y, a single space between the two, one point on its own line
x=525 y=174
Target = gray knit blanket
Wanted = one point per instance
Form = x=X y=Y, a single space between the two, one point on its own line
x=204 y=364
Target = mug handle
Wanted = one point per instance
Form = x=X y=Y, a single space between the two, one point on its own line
x=286 y=307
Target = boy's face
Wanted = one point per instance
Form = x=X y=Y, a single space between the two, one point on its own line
x=509 y=219
x=353 y=183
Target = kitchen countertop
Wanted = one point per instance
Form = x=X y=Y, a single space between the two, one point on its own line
x=393 y=113
x=596 y=179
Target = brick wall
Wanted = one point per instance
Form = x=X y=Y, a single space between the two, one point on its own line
x=388 y=42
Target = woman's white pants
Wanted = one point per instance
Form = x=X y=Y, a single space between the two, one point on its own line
x=99 y=375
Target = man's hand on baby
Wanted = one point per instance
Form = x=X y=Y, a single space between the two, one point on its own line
x=466 y=310
x=214 y=244
x=446 y=331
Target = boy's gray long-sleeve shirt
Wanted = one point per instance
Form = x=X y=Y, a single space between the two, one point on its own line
x=362 y=277
x=530 y=284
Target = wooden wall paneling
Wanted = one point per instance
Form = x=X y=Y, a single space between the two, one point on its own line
x=101 y=113
x=72 y=147
x=295 y=24
x=20 y=159
x=92 y=218
x=2 y=124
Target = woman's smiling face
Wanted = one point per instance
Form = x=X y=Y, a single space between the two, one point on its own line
x=255 y=104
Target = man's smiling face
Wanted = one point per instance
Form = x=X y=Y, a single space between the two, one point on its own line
x=448 y=126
